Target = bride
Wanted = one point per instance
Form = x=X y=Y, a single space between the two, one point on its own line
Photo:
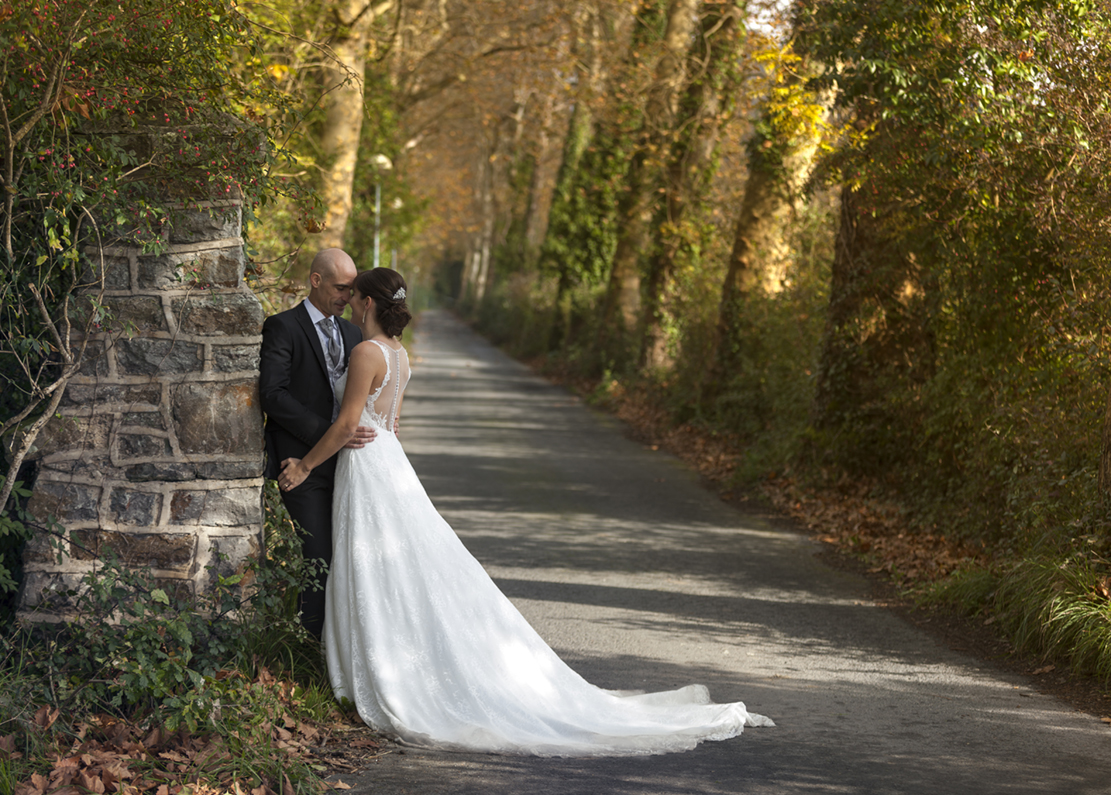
x=417 y=635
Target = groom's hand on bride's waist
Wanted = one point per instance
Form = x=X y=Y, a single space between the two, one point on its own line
x=364 y=435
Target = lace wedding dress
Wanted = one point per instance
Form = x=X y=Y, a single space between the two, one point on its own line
x=424 y=644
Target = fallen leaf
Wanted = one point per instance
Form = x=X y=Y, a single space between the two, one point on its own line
x=45 y=717
x=154 y=739
x=1044 y=670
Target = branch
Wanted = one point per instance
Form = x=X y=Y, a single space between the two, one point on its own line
x=57 y=389
x=53 y=86
x=9 y=179
x=447 y=82
x=26 y=443
x=20 y=417
x=380 y=9
x=62 y=347
x=127 y=174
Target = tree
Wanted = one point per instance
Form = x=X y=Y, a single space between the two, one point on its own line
x=708 y=99
x=111 y=119
x=622 y=302
x=567 y=248
x=343 y=83
x=961 y=267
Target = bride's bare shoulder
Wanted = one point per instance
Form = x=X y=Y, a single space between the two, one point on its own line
x=367 y=353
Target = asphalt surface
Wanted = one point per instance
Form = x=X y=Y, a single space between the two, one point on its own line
x=642 y=579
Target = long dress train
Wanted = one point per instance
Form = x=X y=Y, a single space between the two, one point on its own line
x=424 y=644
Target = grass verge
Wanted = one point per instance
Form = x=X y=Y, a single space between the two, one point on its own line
x=142 y=691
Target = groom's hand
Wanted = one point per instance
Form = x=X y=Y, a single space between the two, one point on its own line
x=364 y=435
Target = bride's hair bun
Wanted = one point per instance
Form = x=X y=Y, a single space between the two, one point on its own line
x=388 y=290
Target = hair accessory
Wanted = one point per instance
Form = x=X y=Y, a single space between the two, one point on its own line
x=400 y=294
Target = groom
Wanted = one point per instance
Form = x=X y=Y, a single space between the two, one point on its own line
x=304 y=351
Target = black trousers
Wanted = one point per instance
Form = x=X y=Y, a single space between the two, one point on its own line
x=310 y=506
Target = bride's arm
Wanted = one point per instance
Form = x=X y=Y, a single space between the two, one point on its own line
x=362 y=371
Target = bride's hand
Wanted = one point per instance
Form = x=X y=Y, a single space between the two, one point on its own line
x=292 y=474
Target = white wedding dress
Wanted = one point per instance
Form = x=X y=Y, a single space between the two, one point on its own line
x=424 y=644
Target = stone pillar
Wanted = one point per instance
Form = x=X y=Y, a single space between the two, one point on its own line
x=157 y=454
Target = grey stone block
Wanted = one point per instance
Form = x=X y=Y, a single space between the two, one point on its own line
x=95 y=467
x=153 y=550
x=218 y=419
x=237 y=314
x=227 y=556
x=117 y=273
x=232 y=508
x=113 y=393
x=94 y=363
x=231 y=470
x=139 y=508
x=195 y=226
x=49 y=591
x=222 y=267
x=173 y=473
x=139 y=313
x=235 y=358
x=142 y=419
x=186 y=507
x=179 y=590
x=133 y=445
x=66 y=502
x=73 y=434
x=149 y=357
x=39 y=549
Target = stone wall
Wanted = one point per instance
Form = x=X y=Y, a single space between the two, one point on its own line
x=157 y=453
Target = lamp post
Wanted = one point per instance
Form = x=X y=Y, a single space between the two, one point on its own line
x=381 y=162
x=396 y=204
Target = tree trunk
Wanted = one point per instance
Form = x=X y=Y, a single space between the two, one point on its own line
x=1104 y=480
x=779 y=166
x=622 y=301
x=878 y=328
x=343 y=104
x=580 y=132
x=486 y=244
x=535 y=219
x=706 y=100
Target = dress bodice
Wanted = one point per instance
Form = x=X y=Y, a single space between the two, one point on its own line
x=380 y=410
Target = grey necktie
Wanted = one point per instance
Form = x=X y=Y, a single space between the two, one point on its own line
x=335 y=354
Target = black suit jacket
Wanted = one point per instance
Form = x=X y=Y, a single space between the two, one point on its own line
x=293 y=386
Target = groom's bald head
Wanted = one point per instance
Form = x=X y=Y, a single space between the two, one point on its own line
x=328 y=261
x=330 y=277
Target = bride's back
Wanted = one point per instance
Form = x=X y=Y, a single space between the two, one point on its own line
x=382 y=405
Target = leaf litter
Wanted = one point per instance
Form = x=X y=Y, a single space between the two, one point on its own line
x=108 y=754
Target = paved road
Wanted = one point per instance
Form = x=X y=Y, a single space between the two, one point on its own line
x=640 y=578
